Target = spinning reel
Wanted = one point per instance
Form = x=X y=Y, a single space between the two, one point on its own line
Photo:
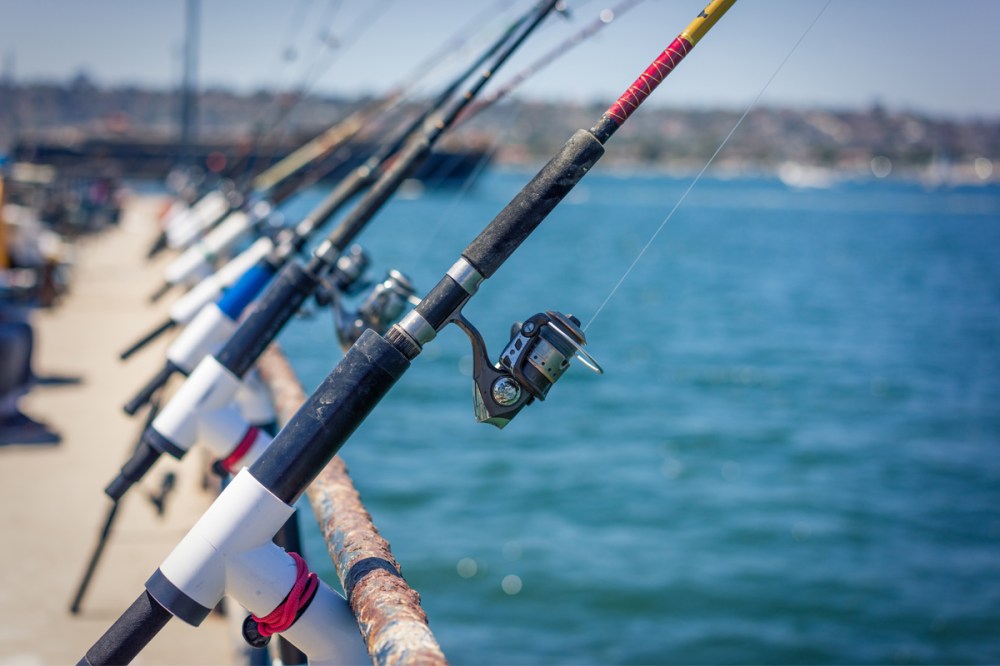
x=536 y=357
x=380 y=307
x=346 y=277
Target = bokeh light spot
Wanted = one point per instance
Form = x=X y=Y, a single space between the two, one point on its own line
x=511 y=584
x=467 y=567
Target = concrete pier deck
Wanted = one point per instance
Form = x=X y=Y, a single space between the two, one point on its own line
x=51 y=501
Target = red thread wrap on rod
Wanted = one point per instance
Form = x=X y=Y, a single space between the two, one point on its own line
x=649 y=80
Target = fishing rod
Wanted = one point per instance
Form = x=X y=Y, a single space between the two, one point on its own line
x=105 y=533
x=239 y=212
x=213 y=323
x=604 y=18
x=210 y=288
x=288 y=537
x=194 y=576
x=202 y=405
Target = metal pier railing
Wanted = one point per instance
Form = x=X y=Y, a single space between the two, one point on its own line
x=393 y=623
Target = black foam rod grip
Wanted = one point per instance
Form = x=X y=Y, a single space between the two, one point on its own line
x=533 y=203
x=158 y=246
x=143 y=458
x=327 y=418
x=130 y=633
x=276 y=306
x=160 y=292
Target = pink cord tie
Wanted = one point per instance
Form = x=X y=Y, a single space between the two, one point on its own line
x=228 y=464
x=284 y=616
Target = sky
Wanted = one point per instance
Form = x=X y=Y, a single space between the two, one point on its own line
x=932 y=56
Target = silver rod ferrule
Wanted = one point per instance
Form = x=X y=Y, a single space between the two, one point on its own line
x=415 y=326
x=466 y=275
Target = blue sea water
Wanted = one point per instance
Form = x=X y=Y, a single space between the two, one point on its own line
x=793 y=456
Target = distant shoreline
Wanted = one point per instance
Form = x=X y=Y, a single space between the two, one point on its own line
x=800 y=145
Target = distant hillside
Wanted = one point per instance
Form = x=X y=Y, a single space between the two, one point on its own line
x=528 y=132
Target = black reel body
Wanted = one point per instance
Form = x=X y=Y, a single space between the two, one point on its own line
x=537 y=355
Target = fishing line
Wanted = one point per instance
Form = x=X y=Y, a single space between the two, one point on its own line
x=269 y=131
x=320 y=46
x=326 y=44
x=315 y=70
x=753 y=104
x=289 y=53
x=266 y=125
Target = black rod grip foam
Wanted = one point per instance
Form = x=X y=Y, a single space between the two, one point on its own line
x=130 y=633
x=533 y=203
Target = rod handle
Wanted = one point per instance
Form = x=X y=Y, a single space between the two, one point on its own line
x=325 y=421
x=158 y=246
x=145 y=394
x=533 y=203
x=130 y=633
x=146 y=339
x=133 y=470
x=283 y=297
x=88 y=574
x=160 y=292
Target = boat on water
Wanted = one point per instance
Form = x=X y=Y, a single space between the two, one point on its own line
x=807 y=176
x=153 y=159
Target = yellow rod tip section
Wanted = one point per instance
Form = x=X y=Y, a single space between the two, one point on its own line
x=705 y=20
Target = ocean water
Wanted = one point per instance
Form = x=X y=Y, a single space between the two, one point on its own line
x=792 y=458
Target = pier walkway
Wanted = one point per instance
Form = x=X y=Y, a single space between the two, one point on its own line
x=51 y=501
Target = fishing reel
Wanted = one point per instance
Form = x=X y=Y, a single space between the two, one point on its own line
x=346 y=277
x=537 y=355
x=380 y=307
